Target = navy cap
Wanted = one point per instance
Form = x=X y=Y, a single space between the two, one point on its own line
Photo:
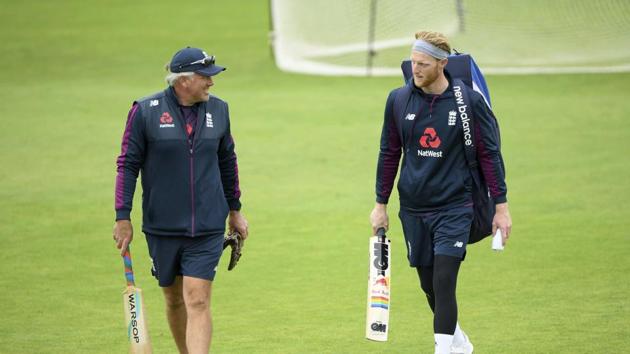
x=195 y=60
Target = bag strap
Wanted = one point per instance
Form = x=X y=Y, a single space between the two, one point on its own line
x=465 y=114
x=466 y=118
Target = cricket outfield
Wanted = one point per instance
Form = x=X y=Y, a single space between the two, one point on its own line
x=307 y=149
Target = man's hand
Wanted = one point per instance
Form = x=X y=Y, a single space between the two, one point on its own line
x=123 y=234
x=503 y=221
x=237 y=222
x=379 y=218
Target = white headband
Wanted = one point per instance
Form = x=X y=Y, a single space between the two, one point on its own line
x=428 y=48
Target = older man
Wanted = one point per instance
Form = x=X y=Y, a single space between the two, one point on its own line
x=181 y=141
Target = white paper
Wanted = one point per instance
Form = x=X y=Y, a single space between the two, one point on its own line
x=497 y=241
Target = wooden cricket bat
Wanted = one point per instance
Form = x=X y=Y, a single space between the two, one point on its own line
x=378 y=297
x=134 y=312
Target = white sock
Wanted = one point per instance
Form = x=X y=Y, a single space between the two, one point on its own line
x=443 y=343
x=458 y=336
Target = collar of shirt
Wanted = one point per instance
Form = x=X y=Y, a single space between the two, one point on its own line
x=189 y=113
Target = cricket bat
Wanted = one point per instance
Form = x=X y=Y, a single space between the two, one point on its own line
x=378 y=297
x=134 y=312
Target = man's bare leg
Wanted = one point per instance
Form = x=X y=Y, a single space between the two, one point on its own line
x=176 y=313
x=199 y=325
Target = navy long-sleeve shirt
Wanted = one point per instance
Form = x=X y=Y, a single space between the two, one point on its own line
x=189 y=180
x=428 y=134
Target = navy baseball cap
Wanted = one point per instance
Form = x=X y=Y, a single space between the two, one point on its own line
x=195 y=60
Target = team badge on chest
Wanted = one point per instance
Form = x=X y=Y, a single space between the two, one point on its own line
x=452 y=118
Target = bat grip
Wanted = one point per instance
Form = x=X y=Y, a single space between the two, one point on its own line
x=128 y=268
x=381 y=234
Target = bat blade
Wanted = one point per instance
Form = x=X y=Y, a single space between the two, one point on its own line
x=378 y=297
x=136 y=322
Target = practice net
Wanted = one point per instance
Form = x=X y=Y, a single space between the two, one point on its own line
x=371 y=37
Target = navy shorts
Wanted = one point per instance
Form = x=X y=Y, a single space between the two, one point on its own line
x=443 y=232
x=195 y=257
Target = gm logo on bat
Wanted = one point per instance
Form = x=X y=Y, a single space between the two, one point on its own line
x=378 y=327
x=381 y=257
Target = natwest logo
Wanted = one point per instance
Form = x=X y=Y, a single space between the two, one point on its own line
x=166 y=118
x=430 y=139
x=166 y=121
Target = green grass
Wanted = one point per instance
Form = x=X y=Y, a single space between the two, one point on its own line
x=307 y=150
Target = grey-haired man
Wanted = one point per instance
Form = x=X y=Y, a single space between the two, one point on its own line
x=180 y=139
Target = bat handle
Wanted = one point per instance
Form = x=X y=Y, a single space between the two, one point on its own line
x=380 y=233
x=128 y=268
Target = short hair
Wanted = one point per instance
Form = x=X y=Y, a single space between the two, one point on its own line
x=171 y=78
x=436 y=38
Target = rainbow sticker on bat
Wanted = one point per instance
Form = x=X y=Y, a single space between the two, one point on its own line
x=380 y=293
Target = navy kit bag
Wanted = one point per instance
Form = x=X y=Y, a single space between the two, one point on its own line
x=466 y=76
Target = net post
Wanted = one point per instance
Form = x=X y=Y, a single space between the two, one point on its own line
x=460 y=15
x=371 y=52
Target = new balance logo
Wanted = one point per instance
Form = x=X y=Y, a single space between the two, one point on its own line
x=410 y=116
x=461 y=107
x=209 y=122
x=459 y=244
x=154 y=103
